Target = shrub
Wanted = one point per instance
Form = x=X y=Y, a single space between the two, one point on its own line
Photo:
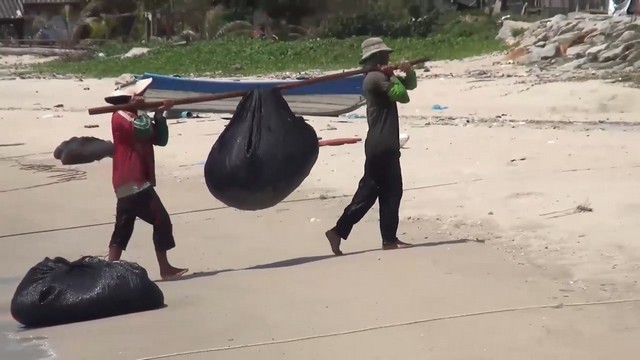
x=380 y=24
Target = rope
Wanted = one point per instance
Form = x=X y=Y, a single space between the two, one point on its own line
x=44 y=231
x=379 y=327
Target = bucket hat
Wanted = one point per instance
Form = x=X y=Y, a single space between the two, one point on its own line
x=372 y=46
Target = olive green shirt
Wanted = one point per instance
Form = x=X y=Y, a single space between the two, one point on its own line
x=382 y=94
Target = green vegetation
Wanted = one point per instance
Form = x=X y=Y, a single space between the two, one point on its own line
x=462 y=37
x=515 y=32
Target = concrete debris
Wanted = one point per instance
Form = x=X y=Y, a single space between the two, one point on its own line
x=135 y=52
x=576 y=40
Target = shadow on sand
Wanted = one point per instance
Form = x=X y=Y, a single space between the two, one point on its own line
x=310 y=259
x=279 y=264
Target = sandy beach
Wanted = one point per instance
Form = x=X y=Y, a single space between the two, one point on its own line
x=491 y=187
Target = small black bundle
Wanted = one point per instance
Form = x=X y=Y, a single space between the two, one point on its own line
x=83 y=150
x=58 y=291
x=263 y=155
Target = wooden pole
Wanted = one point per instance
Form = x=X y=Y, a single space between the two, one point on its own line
x=229 y=95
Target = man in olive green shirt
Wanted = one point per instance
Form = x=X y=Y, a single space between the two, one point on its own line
x=382 y=178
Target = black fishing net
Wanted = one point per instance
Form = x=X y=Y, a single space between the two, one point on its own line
x=263 y=154
x=57 y=291
x=83 y=150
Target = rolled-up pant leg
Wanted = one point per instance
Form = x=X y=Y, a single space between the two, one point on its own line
x=147 y=206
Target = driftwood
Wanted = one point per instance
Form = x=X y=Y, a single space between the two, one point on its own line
x=40 y=51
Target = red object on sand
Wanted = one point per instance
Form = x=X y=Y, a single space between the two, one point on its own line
x=340 y=141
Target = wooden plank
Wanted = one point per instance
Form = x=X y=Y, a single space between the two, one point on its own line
x=39 y=51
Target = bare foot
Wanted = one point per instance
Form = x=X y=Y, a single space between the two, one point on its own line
x=172 y=273
x=334 y=240
x=395 y=245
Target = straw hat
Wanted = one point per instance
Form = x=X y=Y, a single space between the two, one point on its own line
x=372 y=46
x=127 y=86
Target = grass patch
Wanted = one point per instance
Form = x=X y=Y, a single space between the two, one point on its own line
x=516 y=32
x=251 y=57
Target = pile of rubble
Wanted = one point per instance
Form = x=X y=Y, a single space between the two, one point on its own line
x=575 y=41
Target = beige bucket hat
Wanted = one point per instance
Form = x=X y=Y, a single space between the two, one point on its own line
x=372 y=46
x=128 y=86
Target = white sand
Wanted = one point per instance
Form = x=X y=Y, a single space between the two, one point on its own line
x=291 y=287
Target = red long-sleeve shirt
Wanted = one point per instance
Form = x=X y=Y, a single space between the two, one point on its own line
x=133 y=154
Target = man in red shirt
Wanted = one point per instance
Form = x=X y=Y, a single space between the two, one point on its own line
x=134 y=135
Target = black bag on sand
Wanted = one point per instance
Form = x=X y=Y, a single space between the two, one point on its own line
x=83 y=150
x=57 y=291
x=263 y=154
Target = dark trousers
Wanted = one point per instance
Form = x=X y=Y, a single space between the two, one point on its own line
x=147 y=206
x=382 y=180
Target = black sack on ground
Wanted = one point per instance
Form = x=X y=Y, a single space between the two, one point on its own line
x=263 y=154
x=83 y=150
x=57 y=291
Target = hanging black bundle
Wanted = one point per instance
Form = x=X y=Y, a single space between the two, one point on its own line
x=57 y=291
x=263 y=154
x=83 y=150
